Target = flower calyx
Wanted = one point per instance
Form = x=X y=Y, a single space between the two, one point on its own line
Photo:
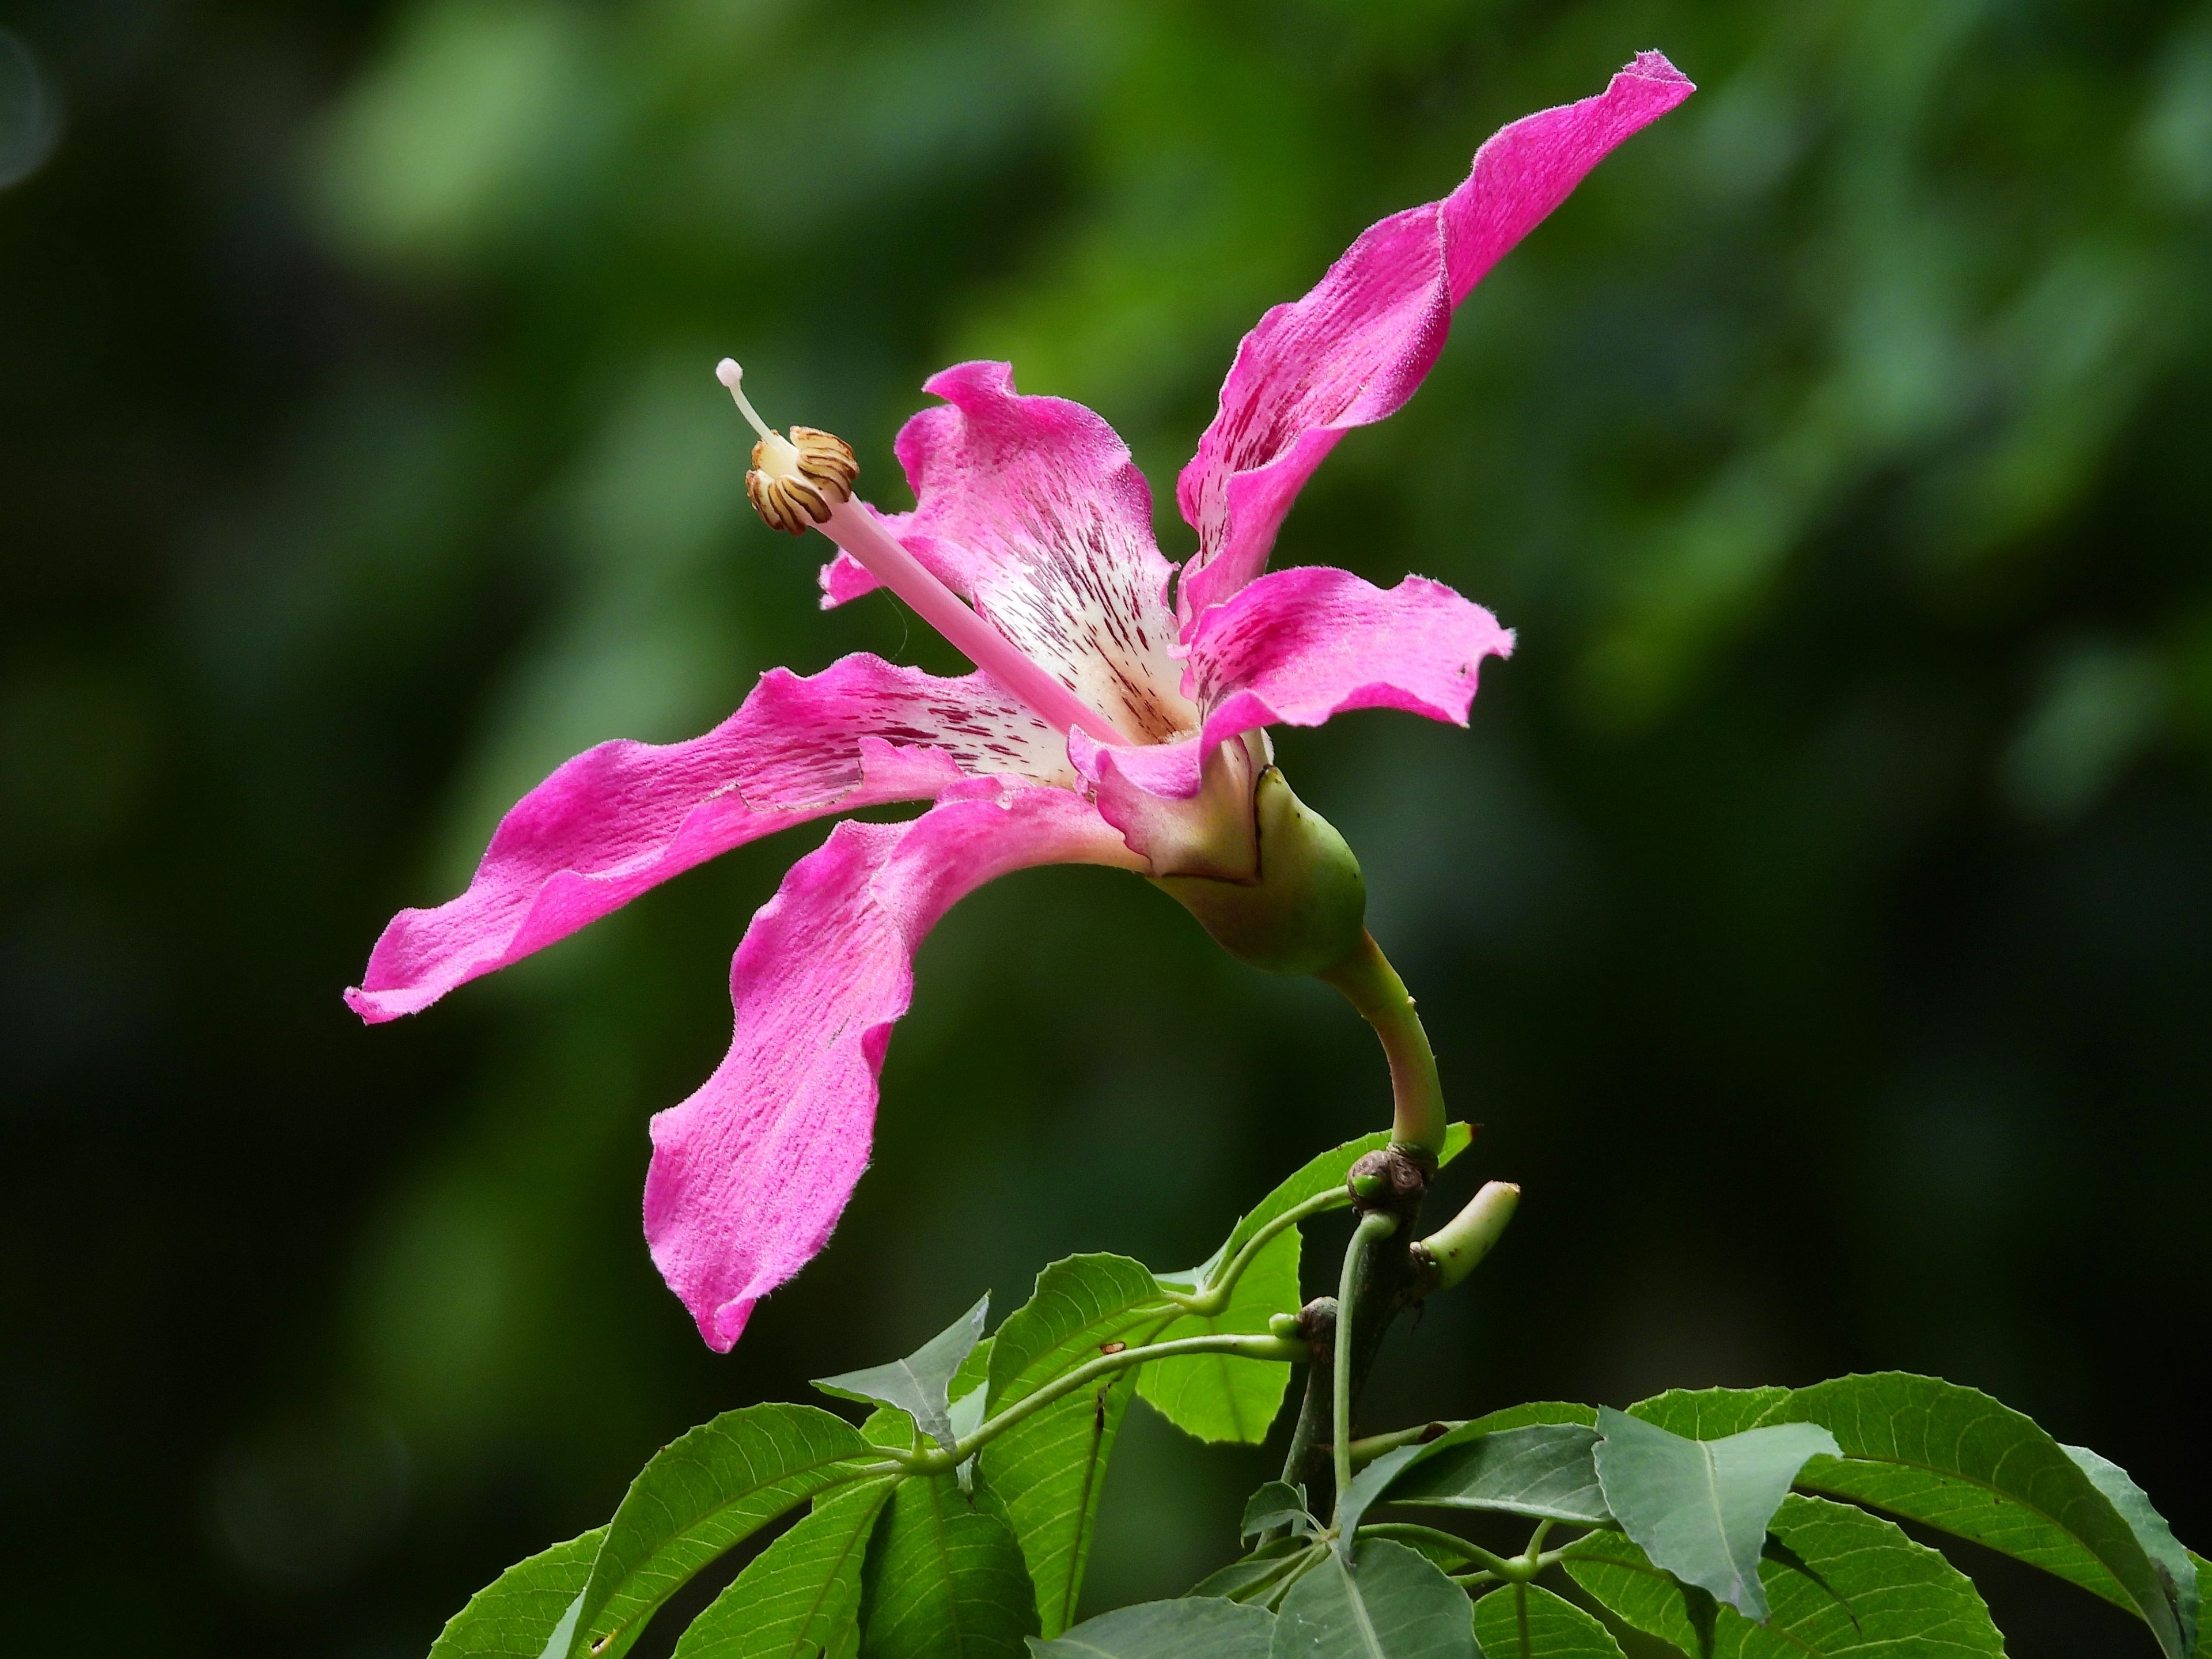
x=795 y=481
x=1304 y=910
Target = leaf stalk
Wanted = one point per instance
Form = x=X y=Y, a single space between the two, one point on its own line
x=1367 y=1449
x=938 y=1461
x=1212 y=1297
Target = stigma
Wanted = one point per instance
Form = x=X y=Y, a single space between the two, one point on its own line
x=795 y=481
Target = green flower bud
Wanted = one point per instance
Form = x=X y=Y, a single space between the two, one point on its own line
x=1447 y=1256
x=1306 y=912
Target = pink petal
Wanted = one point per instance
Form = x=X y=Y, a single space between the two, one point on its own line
x=625 y=817
x=1355 y=347
x=845 y=579
x=1295 y=647
x=1205 y=832
x=1031 y=508
x=751 y=1174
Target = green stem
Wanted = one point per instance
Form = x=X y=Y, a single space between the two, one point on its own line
x=1406 y=1531
x=1512 y=1569
x=938 y=1461
x=1373 y=1226
x=1373 y=987
x=1373 y=1446
x=1301 y=1564
x=1258 y=1588
x=1504 y=1565
x=1213 y=1297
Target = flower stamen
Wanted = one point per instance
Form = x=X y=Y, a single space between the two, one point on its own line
x=805 y=482
x=795 y=480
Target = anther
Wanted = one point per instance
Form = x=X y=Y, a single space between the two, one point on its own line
x=795 y=480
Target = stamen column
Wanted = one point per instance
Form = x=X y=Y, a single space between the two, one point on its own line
x=823 y=496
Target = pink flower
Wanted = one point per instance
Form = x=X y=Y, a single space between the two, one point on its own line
x=1106 y=725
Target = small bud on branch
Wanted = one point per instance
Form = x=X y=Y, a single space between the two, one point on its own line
x=1449 y=1254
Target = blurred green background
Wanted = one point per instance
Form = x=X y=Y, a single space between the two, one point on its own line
x=1816 y=914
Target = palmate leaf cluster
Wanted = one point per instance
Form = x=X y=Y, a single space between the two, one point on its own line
x=956 y=1520
x=968 y=1560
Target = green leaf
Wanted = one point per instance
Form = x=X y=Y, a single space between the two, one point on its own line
x=1045 y=1473
x=1448 y=1550
x=2203 y=1626
x=515 y=1615
x=1536 y=1410
x=1277 y=1504
x=564 y=1633
x=1936 y=1452
x=1202 y=1627
x=1710 y=1413
x=1264 y=1565
x=968 y=1395
x=1218 y=1396
x=1545 y=1470
x=801 y=1594
x=1878 y=1595
x=920 y=1384
x=943 y=1581
x=2176 y=1571
x=1388 y=1602
x=1526 y=1621
x=1699 y=1508
x=1366 y=1486
x=965 y=1416
x=974 y=1370
x=705 y=1492
x=1082 y=1305
x=890 y=1427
